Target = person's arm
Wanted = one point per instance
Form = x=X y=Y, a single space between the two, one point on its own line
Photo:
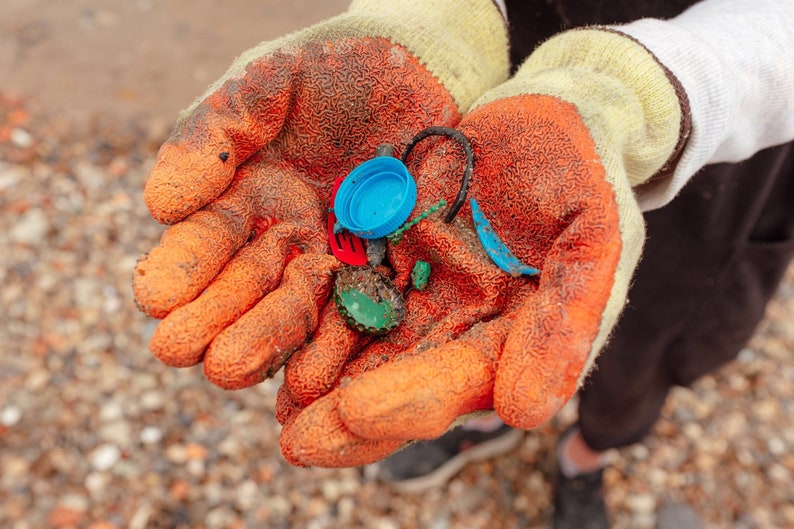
x=735 y=61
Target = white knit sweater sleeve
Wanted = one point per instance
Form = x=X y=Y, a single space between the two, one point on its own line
x=735 y=60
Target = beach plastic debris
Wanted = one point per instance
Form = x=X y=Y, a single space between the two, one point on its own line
x=420 y=275
x=499 y=253
x=368 y=301
x=375 y=198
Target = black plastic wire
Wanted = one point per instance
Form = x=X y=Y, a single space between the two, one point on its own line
x=459 y=137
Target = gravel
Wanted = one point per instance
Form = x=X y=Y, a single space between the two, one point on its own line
x=97 y=434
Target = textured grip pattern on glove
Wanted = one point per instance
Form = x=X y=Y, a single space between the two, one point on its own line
x=221 y=262
x=633 y=108
x=478 y=338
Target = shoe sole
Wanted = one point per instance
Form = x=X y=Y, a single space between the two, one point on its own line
x=481 y=452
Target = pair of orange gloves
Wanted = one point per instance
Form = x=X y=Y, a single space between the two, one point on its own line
x=242 y=278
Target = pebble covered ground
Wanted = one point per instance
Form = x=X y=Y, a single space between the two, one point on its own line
x=96 y=434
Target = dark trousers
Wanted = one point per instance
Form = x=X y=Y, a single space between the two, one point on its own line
x=713 y=259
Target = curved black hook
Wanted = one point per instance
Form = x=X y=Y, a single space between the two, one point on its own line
x=459 y=137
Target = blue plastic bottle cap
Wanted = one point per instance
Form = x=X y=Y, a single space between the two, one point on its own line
x=376 y=198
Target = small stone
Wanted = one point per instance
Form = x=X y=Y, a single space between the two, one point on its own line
x=15 y=469
x=788 y=514
x=12 y=175
x=693 y=430
x=85 y=292
x=317 y=508
x=31 y=227
x=176 y=453
x=640 y=452
x=644 y=520
x=62 y=516
x=21 y=138
x=734 y=425
x=96 y=483
x=386 y=523
x=90 y=176
x=152 y=400
x=112 y=302
x=140 y=519
x=346 y=509
x=746 y=356
x=230 y=447
x=442 y=520
x=738 y=382
x=219 y=517
x=776 y=446
x=151 y=435
x=102 y=524
x=745 y=457
x=63 y=460
x=641 y=503
x=179 y=490
x=279 y=506
x=117 y=432
x=37 y=380
x=76 y=502
x=10 y=416
x=766 y=410
x=105 y=456
x=195 y=451
x=331 y=490
x=247 y=495
x=195 y=467
x=779 y=473
x=657 y=477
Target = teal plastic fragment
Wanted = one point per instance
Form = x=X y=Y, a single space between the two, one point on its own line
x=420 y=275
x=499 y=253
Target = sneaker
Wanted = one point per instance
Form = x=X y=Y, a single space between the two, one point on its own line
x=579 y=502
x=429 y=464
x=678 y=516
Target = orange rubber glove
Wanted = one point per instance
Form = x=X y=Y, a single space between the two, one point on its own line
x=558 y=149
x=246 y=177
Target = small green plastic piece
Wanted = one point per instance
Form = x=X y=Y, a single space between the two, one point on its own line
x=420 y=275
x=397 y=236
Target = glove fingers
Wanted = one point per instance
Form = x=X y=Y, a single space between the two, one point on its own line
x=181 y=338
x=317 y=437
x=287 y=408
x=219 y=134
x=257 y=345
x=416 y=335
x=545 y=354
x=313 y=370
x=190 y=255
x=431 y=320
x=420 y=396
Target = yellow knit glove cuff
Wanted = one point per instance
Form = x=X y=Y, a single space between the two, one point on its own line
x=625 y=97
x=463 y=43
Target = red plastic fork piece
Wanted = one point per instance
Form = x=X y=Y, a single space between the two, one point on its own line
x=345 y=246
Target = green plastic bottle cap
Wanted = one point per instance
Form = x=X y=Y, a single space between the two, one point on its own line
x=368 y=301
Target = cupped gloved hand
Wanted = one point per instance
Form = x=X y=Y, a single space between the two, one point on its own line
x=245 y=180
x=557 y=150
